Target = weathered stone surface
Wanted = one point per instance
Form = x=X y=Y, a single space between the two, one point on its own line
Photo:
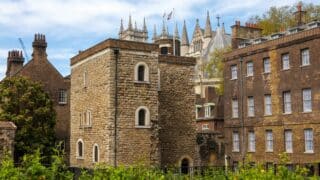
x=7 y=134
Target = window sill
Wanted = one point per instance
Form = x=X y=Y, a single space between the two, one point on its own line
x=266 y=73
x=251 y=151
x=307 y=65
x=269 y=151
x=250 y=116
x=62 y=103
x=232 y=79
x=290 y=113
x=234 y=117
x=143 y=127
x=80 y=158
x=249 y=76
x=306 y=112
x=308 y=152
x=289 y=152
x=267 y=115
x=142 y=82
x=85 y=127
x=285 y=69
x=234 y=151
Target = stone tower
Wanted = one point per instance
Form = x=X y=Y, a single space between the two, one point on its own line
x=14 y=62
x=133 y=34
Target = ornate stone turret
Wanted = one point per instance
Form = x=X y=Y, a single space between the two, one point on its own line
x=14 y=62
x=184 y=40
x=39 y=47
x=208 y=29
x=134 y=34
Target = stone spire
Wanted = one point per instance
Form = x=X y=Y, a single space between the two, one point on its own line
x=135 y=26
x=176 y=32
x=144 y=25
x=164 y=29
x=130 y=23
x=208 y=30
x=184 y=37
x=218 y=20
x=121 y=27
x=154 y=32
x=223 y=29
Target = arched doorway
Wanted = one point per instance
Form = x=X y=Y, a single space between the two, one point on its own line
x=185 y=166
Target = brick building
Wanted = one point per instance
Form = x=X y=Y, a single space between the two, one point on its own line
x=272 y=95
x=130 y=105
x=40 y=69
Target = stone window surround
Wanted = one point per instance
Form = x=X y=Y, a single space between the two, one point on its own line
x=77 y=149
x=147 y=120
x=146 y=72
x=93 y=153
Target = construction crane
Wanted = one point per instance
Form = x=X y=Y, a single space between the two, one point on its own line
x=24 y=49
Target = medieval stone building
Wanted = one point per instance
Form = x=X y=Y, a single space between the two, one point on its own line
x=130 y=105
x=7 y=134
x=272 y=95
x=40 y=69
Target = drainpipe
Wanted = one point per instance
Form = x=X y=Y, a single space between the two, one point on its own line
x=242 y=113
x=116 y=53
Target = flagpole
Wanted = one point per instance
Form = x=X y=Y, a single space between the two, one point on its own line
x=174 y=39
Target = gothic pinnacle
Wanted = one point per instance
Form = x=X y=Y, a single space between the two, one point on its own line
x=208 y=30
x=184 y=37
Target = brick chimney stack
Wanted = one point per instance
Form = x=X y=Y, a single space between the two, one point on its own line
x=14 y=62
x=300 y=15
x=39 y=47
x=241 y=33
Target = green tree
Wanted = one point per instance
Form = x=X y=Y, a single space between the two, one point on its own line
x=280 y=18
x=25 y=103
x=215 y=66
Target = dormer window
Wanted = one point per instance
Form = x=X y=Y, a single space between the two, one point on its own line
x=141 y=72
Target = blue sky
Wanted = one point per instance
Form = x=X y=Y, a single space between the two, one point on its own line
x=73 y=25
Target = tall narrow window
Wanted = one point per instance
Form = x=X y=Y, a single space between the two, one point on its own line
x=141 y=73
x=85 y=79
x=305 y=58
x=234 y=72
x=269 y=141
x=235 y=108
x=288 y=141
x=62 y=96
x=250 y=106
x=267 y=105
x=95 y=154
x=235 y=142
x=252 y=142
x=285 y=61
x=88 y=118
x=266 y=65
x=308 y=138
x=142 y=117
x=250 y=68
x=198 y=110
x=306 y=98
x=80 y=148
x=208 y=110
x=287 y=102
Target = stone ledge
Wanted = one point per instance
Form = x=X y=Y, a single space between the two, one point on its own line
x=179 y=60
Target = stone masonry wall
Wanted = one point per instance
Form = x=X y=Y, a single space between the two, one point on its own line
x=176 y=111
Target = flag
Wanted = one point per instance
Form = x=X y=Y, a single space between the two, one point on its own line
x=169 y=15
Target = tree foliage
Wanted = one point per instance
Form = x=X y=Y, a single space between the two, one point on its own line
x=280 y=18
x=215 y=66
x=24 y=102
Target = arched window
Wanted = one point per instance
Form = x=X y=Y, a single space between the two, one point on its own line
x=80 y=149
x=142 y=117
x=141 y=72
x=95 y=153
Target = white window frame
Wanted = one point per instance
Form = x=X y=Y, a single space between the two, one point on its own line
x=234 y=72
x=305 y=57
x=147 y=117
x=307 y=100
x=308 y=141
x=269 y=141
x=287 y=104
x=205 y=127
x=77 y=149
x=266 y=65
x=285 y=59
x=198 y=109
x=267 y=105
x=235 y=108
x=62 y=96
x=288 y=140
x=235 y=142
x=146 y=72
x=250 y=105
x=93 y=153
x=249 y=68
x=251 y=142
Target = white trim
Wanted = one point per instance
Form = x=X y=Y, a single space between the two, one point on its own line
x=147 y=120
x=93 y=153
x=146 y=72
x=209 y=104
x=164 y=45
x=77 y=149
